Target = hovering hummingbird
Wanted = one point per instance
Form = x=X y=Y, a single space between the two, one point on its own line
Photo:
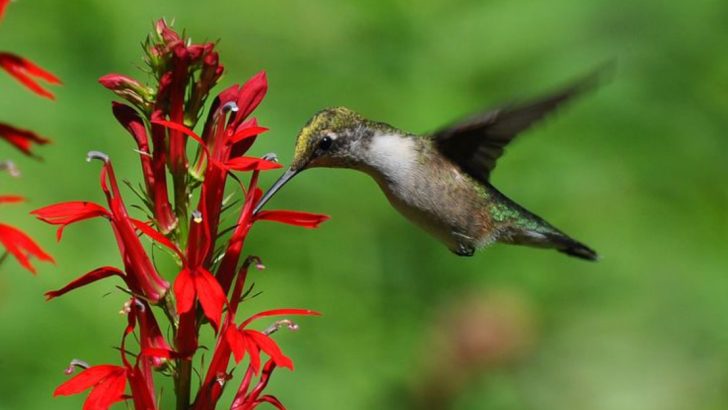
x=440 y=181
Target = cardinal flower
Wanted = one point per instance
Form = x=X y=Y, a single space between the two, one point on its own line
x=27 y=73
x=243 y=341
x=186 y=199
x=141 y=274
x=107 y=384
x=18 y=244
x=20 y=138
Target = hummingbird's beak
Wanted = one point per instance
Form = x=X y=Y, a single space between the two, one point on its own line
x=290 y=173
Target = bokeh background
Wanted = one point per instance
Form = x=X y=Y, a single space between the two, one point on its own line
x=637 y=170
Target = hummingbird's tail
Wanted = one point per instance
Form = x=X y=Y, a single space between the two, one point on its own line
x=517 y=225
x=525 y=228
x=571 y=247
x=546 y=236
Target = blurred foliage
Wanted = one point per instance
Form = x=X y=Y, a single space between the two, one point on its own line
x=636 y=170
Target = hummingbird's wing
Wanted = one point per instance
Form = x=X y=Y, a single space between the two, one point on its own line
x=476 y=143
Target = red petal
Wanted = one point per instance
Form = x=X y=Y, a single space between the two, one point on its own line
x=269 y=346
x=160 y=353
x=251 y=164
x=150 y=335
x=39 y=72
x=85 y=379
x=272 y=400
x=304 y=219
x=251 y=94
x=96 y=274
x=9 y=199
x=181 y=128
x=3 y=4
x=184 y=291
x=241 y=147
x=198 y=238
x=247 y=132
x=279 y=312
x=236 y=342
x=211 y=296
x=20 y=138
x=21 y=246
x=23 y=70
x=107 y=392
x=156 y=236
x=66 y=213
x=254 y=352
x=130 y=119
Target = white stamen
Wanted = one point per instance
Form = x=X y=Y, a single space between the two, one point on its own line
x=97 y=155
x=230 y=106
x=271 y=156
x=140 y=152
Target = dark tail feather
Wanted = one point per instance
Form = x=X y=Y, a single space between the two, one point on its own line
x=571 y=247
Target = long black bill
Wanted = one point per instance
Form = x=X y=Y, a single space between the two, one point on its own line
x=290 y=173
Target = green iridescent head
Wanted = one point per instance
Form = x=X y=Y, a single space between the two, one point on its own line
x=326 y=140
x=318 y=137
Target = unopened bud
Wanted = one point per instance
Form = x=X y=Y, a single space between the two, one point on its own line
x=128 y=88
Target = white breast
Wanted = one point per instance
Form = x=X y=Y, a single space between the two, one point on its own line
x=395 y=156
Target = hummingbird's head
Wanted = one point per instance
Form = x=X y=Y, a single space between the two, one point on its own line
x=328 y=139
x=331 y=138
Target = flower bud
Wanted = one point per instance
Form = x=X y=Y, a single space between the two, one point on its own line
x=129 y=89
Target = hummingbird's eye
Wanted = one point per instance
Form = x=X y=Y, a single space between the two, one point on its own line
x=325 y=143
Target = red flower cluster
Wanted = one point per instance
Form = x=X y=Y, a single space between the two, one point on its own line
x=210 y=282
x=15 y=242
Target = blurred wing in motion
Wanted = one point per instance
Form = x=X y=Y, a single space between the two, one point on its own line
x=476 y=143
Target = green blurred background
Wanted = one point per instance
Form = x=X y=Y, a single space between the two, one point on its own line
x=636 y=170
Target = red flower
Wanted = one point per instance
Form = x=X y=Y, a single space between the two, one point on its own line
x=96 y=274
x=244 y=341
x=21 y=139
x=141 y=274
x=24 y=70
x=9 y=199
x=21 y=246
x=107 y=384
x=303 y=219
x=18 y=244
x=199 y=283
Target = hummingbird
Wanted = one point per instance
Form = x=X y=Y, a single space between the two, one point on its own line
x=440 y=181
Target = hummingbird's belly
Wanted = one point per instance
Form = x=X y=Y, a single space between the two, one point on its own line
x=445 y=203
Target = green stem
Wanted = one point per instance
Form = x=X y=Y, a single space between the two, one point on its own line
x=182 y=384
